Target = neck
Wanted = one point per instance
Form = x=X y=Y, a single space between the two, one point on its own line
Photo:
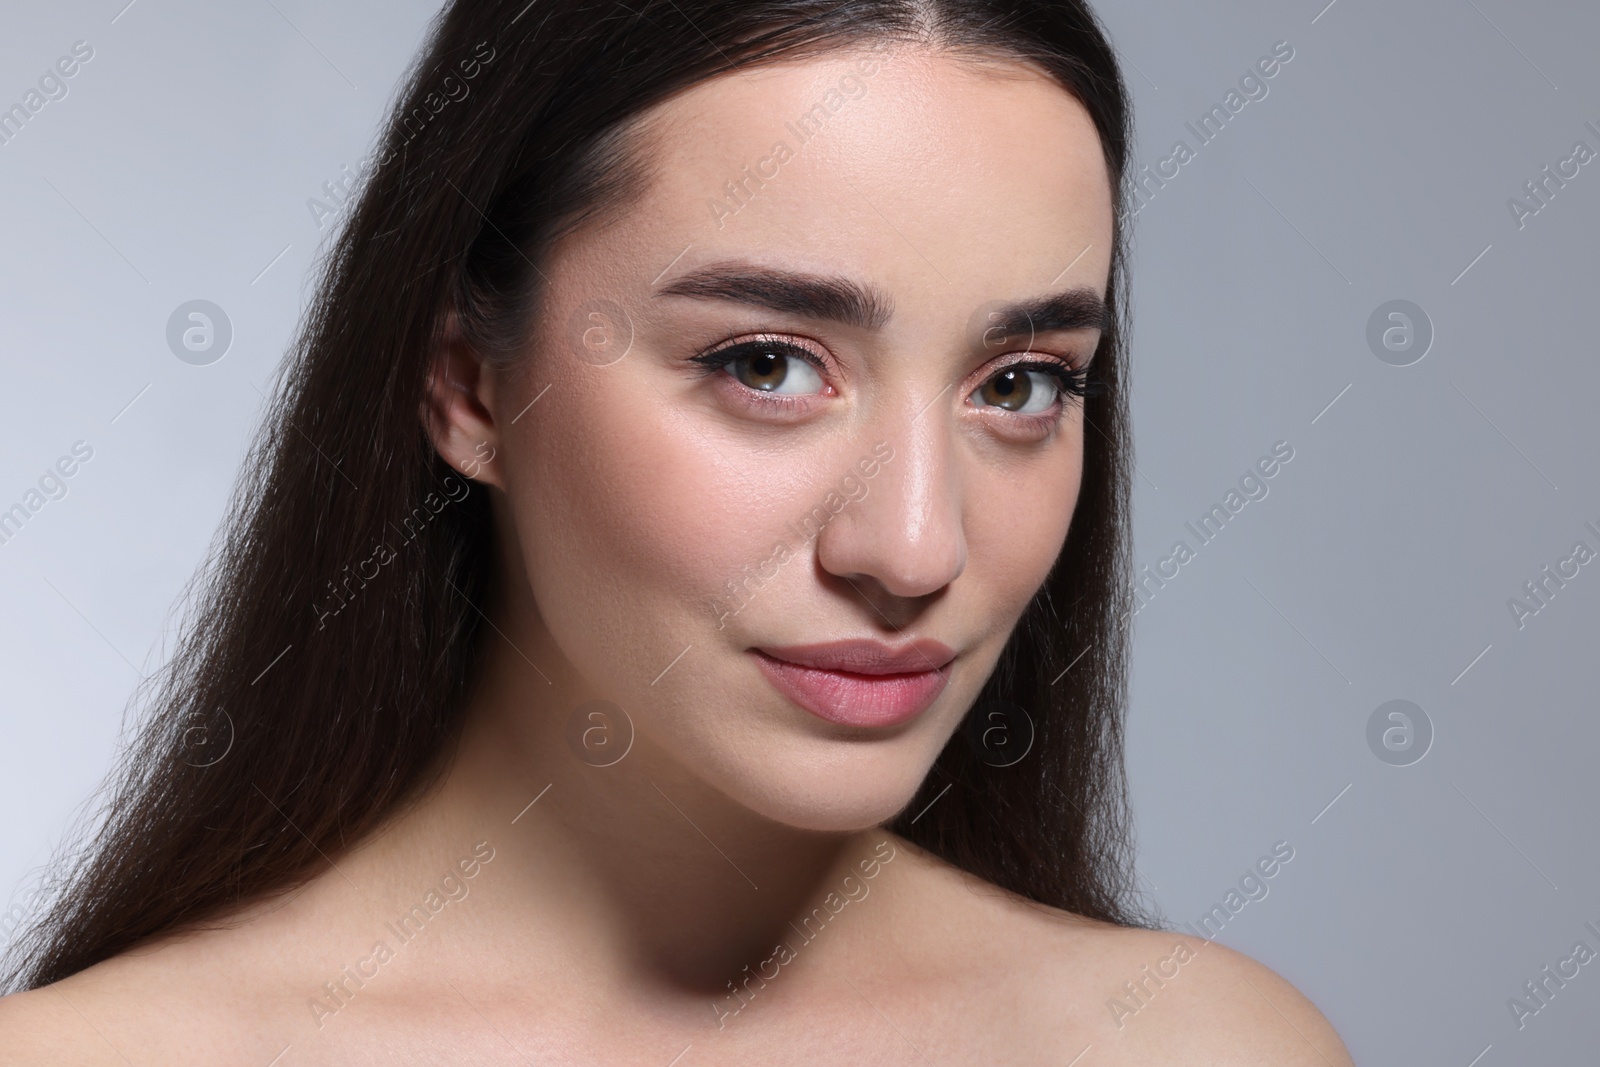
x=633 y=864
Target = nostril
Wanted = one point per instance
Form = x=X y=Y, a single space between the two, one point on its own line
x=903 y=536
x=895 y=601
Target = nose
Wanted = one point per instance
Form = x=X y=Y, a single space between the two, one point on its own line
x=904 y=537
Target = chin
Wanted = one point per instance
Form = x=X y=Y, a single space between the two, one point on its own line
x=851 y=794
x=831 y=784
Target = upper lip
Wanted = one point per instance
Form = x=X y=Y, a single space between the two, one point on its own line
x=866 y=656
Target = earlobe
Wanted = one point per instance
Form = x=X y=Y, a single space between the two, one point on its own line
x=457 y=408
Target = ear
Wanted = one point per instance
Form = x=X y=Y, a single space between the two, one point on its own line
x=458 y=406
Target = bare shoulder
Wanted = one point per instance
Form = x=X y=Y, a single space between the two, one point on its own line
x=1133 y=995
x=41 y=1026
x=178 y=997
x=1173 y=998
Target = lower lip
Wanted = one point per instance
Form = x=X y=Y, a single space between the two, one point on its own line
x=855 y=699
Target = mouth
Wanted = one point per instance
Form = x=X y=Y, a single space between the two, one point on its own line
x=860 y=683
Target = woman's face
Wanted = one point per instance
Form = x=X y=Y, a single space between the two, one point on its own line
x=777 y=409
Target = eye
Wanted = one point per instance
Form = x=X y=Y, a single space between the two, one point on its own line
x=1031 y=387
x=774 y=367
x=1024 y=391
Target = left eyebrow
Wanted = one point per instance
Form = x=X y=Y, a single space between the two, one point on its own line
x=814 y=296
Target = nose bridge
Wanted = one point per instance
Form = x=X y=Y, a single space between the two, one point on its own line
x=906 y=532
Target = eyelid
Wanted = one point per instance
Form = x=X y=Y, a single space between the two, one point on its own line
x=800 y=346
x=1074 y=381
x=1061 y=368
x=1029 y=355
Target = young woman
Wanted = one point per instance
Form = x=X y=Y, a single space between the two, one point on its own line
x=677 y=611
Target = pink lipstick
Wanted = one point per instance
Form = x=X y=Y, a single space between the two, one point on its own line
x=861 y=682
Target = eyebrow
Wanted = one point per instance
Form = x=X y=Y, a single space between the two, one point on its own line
x=814 y=296
x=1072 y=309
x=867 y=307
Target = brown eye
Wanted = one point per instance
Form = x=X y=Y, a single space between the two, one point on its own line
x=767 y=368
x=1018 y=389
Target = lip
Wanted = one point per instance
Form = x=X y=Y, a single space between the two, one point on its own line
x=860 y=683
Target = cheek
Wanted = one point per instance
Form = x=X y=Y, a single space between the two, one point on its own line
x=605 y=502
x=1017 y=522
x=634 y=516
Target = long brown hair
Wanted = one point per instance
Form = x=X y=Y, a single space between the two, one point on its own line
x=335 y=625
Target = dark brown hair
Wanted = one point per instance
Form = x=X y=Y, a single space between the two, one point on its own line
x=335 y=719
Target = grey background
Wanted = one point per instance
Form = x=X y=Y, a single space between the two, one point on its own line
x=1379 y=566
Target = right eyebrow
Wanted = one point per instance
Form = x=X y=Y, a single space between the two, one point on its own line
x=1073 y=309
x=814 y=296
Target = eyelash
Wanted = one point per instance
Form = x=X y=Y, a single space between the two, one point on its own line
x=1073 y=382
x=717 y=358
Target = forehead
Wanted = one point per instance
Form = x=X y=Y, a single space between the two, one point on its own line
x=948 y=179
